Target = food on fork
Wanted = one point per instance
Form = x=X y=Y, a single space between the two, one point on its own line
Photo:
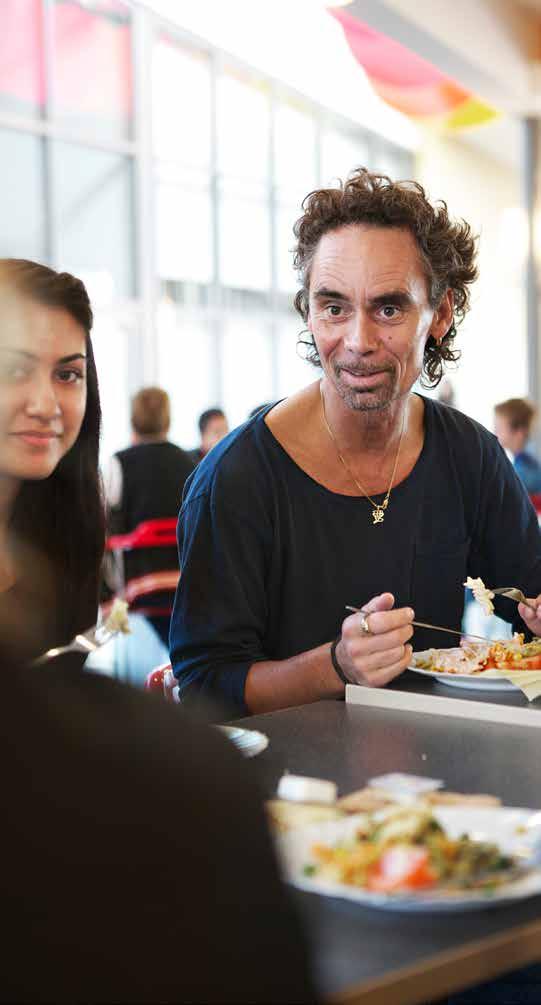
x=117 y=620
x=481 y=594
x=475 y=657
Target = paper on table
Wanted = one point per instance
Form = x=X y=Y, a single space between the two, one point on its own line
x=529 y=681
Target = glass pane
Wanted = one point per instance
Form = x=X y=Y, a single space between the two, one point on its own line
x=186 y=359
x=111 y=337
x=246 y=367
x=244 y=242
x=295 y=149
x=184 y=230
x=181 y=103
x=341 y=153
x=285 y=243
x=92 y=67
x=243 y=118
x=93 y=200
x=22 y=209
x=21 y=58
x=293 y=371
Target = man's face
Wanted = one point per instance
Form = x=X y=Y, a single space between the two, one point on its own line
x=215 y=430
x=511 y=439
x=369 y=313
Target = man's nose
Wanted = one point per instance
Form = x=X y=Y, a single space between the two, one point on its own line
x=42 y=401
x=361 y=335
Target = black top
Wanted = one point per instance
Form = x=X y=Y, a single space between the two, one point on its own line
x=137 y=866
x=153 y=477
x=270 y=557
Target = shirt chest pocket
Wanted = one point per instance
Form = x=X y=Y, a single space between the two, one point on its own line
x=438 y=577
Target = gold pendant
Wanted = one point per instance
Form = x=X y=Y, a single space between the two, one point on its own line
x=378 y=515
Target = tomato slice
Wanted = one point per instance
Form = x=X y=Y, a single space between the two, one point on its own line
x=402 y=867
x=527 y=663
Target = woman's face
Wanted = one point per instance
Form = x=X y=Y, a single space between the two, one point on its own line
x=42 y=387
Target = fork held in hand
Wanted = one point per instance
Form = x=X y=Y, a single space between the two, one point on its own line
x=513 y=594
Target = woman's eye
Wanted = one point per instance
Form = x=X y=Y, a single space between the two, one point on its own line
x=14 y=373
x=69 y=376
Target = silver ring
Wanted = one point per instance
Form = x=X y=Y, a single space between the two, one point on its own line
x=364 y=625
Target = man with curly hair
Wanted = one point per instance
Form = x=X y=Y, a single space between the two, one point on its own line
x=356 y=490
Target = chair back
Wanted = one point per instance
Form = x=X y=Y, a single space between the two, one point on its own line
x=159 y=533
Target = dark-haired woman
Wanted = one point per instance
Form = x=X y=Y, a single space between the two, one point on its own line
x=50 y=500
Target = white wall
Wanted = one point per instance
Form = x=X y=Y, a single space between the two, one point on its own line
x=485 y=192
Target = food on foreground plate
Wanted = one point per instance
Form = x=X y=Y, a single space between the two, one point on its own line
x=285 y=816
x=406 y=849
x=481 y=594
x=476 y=657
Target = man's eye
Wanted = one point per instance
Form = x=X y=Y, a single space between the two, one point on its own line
x=334 y=310
x=389 y=311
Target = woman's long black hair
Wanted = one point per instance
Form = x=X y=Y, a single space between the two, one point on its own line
x=62 y=517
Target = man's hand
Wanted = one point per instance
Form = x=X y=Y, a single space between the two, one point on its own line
x=375 y=658
x=532 y=618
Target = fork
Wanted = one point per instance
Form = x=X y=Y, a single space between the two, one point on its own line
x=514 y=594
x=86 y=642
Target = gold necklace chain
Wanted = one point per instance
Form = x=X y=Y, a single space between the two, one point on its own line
x=378 y=513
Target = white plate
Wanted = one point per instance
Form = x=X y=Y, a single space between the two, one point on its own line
x=483 y=681
x=249 y=741
x=497 y=824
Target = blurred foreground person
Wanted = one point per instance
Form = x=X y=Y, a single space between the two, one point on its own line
x=50 y=497
x=513 y=421
x=213 y=426
x=356 y=490
x=138 y=866
x=145 y=482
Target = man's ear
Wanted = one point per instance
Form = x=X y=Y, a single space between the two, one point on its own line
x=443 y=316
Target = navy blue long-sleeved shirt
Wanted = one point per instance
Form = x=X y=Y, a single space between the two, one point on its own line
x=270 y=557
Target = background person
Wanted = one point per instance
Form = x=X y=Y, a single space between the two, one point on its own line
x=50 y=498
x=145 y=482
x=213 y=426
x=513 y=421
x=355 y=490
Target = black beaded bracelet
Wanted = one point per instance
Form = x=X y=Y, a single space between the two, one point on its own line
x=335 y=662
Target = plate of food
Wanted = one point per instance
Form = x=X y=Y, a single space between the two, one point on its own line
x=418 y=858
x=479 y=665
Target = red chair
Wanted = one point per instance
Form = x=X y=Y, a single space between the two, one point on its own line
x=149 y=534
x=162 y=681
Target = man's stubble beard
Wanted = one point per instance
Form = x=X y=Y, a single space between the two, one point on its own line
x=375 y=400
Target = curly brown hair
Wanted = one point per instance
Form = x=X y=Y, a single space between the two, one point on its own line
x=447 y=247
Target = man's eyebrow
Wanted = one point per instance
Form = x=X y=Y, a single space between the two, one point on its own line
x=397 y=298
x=324 y=293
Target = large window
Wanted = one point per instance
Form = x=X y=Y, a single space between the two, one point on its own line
x=171 y=187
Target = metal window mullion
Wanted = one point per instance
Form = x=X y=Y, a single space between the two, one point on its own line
x=273 y=219
x=216 y=297
x=142 y=365
x=52 y=219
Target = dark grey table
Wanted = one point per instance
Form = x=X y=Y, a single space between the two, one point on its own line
x=374 y=956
